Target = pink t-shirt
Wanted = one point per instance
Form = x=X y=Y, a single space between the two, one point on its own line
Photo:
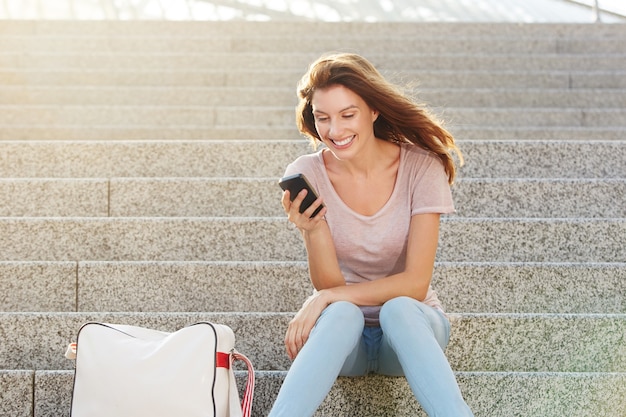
x=372 y=247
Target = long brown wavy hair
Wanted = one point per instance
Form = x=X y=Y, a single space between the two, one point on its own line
x=400 y=119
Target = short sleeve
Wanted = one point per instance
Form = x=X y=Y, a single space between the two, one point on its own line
x=430 y=190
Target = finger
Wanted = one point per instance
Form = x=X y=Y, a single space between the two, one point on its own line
x=303 y=335
x=295 y=339
x=286 y=201
x=291 y=345
x=316 y=204
x=297 y=201
x=291 y=351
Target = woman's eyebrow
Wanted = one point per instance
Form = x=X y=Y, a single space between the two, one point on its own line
x=350 y=107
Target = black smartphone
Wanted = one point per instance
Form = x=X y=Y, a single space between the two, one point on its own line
x=295 y=184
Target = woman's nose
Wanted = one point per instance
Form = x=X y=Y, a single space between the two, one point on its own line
x=334 y=129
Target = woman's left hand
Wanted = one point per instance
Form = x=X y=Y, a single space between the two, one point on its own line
x=303 y=221
x=301 y=325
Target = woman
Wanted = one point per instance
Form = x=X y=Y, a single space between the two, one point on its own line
x=383 y=177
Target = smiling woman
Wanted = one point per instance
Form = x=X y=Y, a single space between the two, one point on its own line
x=360 y=87
x=345 y=124
x=384 y=180
x=340 y=114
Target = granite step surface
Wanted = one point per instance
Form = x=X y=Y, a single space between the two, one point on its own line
x=210 y=117
x=497 y=159
x=490 y=342
x=159 y=286
x=259 y=197
x=280 y=78
x=236 y=238
x=388 y=60
x=210 y=95
x=371 y=42
x=191 y=29
x=203 y=133
x=256 y=36
x=528 y=133
x=495 y=394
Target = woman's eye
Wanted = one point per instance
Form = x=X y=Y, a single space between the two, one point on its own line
x=348 y=116
x=321 y=119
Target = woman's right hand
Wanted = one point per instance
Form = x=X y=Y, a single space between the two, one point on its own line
x=302 y=221
x=301 y=325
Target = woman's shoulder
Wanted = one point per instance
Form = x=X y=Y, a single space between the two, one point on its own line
x=415 y=155
x=306 y=164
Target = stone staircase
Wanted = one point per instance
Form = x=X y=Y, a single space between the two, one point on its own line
x=138 y=184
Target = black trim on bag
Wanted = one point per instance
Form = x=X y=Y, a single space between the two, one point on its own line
x=214 y=363
x=76 y=364
x=135 y=337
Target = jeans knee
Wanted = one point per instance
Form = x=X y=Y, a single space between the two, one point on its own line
x=394 y=309
x=346 y=312
x=404 y=313
x=344 y=316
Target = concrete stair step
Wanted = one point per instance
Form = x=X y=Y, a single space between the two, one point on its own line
x=54 y=197
x=479 y=342
x=535 y=117
x=453 y=78
x=464 y=287
x=138 y=96
x=525 y=97
x=268 y=159
x=559 y=133
x=225 y=117
x=259 y=197
x=145 y=133
x=155 y=158
x=494 y=394
x=524 y=198
x=288 y=29
x=369 y=43
x=412 y=40
x=237 y=239
x=299 y=61
x=186 y=133
x=543 y=159
x=273 y=96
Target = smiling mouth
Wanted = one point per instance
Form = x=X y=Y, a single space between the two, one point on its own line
x=343 y=142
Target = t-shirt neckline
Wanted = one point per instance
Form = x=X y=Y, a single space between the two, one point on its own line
x=380 y=211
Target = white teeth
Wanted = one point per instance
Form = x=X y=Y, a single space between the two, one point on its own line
x=344 y=142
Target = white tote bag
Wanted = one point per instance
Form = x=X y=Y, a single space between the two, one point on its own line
x=129 y=371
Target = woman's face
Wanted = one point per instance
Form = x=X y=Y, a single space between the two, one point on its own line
x=344 y=122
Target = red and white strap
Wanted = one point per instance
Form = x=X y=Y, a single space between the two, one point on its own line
x=225 y=360
x=248 y=395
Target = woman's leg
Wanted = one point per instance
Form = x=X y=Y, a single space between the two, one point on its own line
x=364 y=358
x=315 y=369
x=414 y=338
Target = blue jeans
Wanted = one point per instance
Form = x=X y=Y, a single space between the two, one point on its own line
x=410 y=341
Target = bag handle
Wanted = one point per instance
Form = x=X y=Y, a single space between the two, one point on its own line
x=248 y=395
x=70 y=352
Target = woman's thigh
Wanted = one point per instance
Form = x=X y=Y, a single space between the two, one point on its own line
x=404 y=320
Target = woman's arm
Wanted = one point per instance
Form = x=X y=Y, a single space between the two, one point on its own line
x=326 y=276
x=322 y=259
x=324 y=267
x=413 y=281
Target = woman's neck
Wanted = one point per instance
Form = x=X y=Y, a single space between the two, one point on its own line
x=370 y=162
